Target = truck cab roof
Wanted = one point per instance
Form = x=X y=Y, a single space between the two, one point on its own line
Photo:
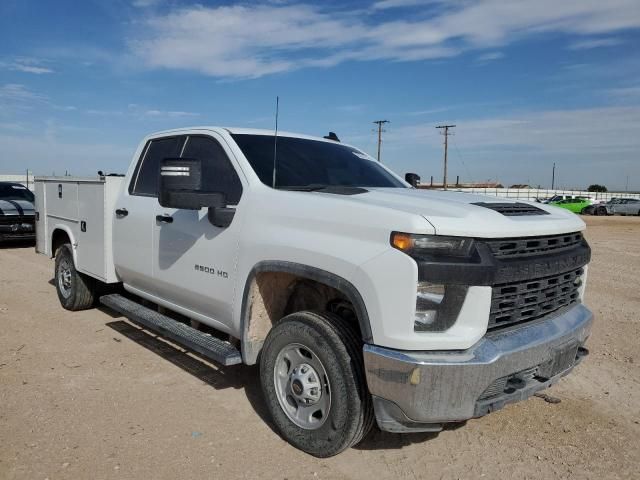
x=241 y=131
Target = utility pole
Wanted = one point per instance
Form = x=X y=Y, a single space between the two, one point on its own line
x=446 y=136
x=626 y=188
x=380 y=124
x=553 y=176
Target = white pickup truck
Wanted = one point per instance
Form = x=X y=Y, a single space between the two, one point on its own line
x=361 y=297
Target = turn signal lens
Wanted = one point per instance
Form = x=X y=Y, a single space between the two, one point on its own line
x=401 y=241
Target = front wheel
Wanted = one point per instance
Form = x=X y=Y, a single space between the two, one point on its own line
x=312 y=376
x=76 y=291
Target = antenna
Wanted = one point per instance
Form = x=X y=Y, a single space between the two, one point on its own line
x=275 y=143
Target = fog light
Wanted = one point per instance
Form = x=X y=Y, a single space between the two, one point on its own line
x=429 y=297
x=437 y=306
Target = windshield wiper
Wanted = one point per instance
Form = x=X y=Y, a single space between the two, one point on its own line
x=335 y=189
x=312 y=187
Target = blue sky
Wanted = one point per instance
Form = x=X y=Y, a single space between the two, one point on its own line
x=527 y=83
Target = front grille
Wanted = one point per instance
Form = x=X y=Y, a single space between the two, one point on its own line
x=529 y=300
x=512 y=209
x=13 y=219
x=525 y=246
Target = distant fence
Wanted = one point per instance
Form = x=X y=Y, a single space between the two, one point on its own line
x=535 y=193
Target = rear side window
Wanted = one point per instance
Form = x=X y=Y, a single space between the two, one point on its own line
x=145 y=179
x=217 y=171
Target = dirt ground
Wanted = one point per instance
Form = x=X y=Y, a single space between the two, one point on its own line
x=88 y=396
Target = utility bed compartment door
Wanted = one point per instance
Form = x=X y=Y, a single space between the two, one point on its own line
x=41 y=219
x=61 y=200
x=90 y=230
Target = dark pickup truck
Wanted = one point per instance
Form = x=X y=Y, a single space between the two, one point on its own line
x=17 y=215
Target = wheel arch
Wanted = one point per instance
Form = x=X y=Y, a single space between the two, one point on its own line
x=61 y=234
x=252 y=341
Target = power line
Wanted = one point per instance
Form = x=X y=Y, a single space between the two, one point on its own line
x=469 y=176
x=380 y=124
x=446 y=137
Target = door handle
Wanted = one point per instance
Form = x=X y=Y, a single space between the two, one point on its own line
x=164 y=218
x=122 y=212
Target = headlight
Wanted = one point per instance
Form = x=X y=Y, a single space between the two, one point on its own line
x=431 y=244
x=437 y=306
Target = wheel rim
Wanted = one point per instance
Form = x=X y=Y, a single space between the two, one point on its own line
x=302 y=386
x=64 y=277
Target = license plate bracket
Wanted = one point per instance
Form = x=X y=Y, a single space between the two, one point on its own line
x=563 y=357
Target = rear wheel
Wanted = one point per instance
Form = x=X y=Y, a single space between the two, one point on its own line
x=312 y=376
x=76 y=291
x=601 y=211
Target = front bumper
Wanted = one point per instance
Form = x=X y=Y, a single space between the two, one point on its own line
x=17 y=230
x=418 y=391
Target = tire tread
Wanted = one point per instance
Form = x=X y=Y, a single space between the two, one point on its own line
x=83 y=287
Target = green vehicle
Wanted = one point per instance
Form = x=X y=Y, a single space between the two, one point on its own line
x=575 y=205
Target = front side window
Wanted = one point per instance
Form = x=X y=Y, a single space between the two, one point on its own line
x=218 y=175
x=147 y=174
x=312 y=163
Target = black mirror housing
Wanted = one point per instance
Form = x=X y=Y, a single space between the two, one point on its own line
x=221 y=216
x=412 y=178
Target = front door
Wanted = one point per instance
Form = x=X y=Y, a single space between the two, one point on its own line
x=193 y=260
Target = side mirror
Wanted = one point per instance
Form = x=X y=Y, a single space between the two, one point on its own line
x=181 y=186
x=412 y=178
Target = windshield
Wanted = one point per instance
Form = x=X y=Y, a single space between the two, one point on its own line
x=9 y=191
x=312 y=163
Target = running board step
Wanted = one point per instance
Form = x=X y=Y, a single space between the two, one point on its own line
x=211 y=347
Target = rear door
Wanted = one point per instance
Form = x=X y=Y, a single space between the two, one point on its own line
x=194 y=261
x=134 y=216
x=631 y=207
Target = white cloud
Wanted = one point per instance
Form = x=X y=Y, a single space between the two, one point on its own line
x=140 y=112
x=594 y=43
x=26 y=65
x=47 y=154
x=169 y=114
x=625 y=93
x=387 y=4
x=490 y=56
x=18 y=93
x=260 y=39
x=145 y=3
x=552 y=131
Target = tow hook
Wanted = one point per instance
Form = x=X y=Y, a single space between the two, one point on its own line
x=514 y=383
x=582 y=352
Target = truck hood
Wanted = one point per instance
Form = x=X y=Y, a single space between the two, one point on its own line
x=15 y=207
x=454 y=213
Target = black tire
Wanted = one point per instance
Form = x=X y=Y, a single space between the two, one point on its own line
x=338 y=347
x=76 y=291
x=584 y=211
x=601 y=211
